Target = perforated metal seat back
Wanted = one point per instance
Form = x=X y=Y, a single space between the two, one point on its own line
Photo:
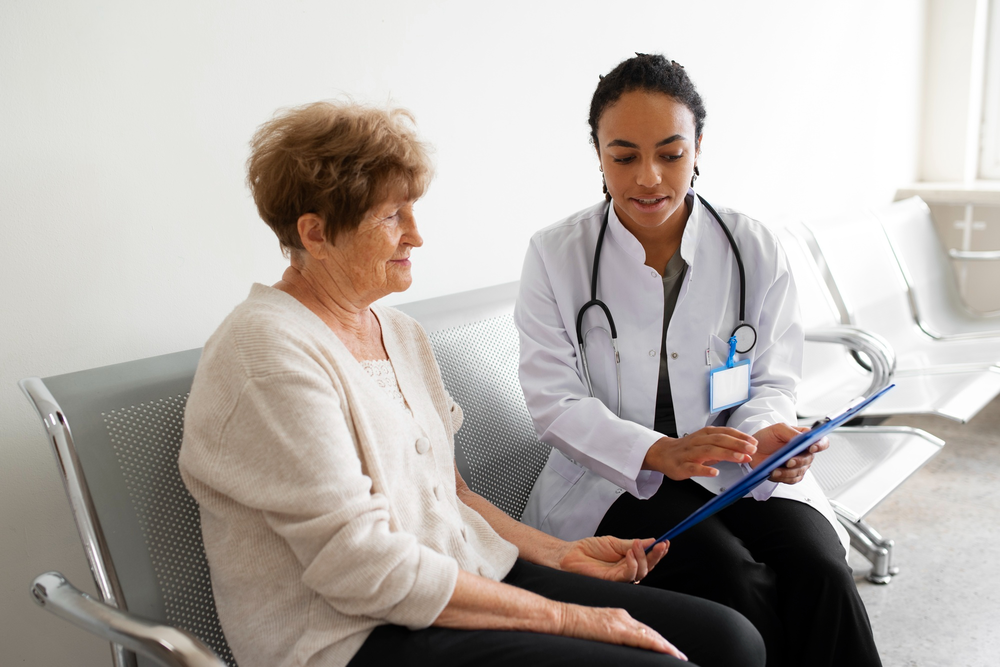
x=476 y=345
x=498 y=452
x=126 y=422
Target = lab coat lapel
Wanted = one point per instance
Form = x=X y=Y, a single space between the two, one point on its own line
x=636 y=291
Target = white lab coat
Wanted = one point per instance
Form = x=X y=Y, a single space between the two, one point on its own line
x=597 y=456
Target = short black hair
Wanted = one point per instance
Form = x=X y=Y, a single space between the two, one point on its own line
x=649 y=72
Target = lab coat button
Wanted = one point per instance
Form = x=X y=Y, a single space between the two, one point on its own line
x=722 y=490
x=652 y=353
x=673 y=355
x=422 y=445
x=619 y=491
x=654 y=273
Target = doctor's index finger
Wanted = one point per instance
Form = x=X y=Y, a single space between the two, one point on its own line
x=726 y=430
x=729 y=440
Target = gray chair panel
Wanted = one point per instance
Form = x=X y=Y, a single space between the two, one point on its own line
x=126 y=421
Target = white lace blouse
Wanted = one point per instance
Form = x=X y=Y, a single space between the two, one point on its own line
x=381 y=371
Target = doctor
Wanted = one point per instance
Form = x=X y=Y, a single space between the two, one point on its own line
x=637 y=443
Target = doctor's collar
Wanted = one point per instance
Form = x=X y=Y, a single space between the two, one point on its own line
x=697 y=219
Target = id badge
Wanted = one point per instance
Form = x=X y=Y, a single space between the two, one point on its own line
x=729 y=385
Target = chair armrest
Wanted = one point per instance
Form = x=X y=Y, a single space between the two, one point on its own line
x=877 y=349
x=166 y=645
x=974 y=255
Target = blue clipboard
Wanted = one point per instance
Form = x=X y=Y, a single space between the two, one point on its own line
x=796 y=445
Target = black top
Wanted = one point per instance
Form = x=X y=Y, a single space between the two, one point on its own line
x=663 y=420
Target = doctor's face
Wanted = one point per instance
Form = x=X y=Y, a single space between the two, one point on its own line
x=648 y=151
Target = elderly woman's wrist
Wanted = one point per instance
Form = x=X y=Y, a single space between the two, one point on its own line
x=559 y=552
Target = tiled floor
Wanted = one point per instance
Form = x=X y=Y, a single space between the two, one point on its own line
x=944 y=606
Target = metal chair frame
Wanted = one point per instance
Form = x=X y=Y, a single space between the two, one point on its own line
x=494 y=408
x=952 y=377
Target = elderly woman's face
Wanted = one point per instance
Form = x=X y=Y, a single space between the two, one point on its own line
x=376 y=255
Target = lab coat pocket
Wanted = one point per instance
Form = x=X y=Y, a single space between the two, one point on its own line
x=718 y=351
x=601 y=363
x=558 y=478
x=567 y=469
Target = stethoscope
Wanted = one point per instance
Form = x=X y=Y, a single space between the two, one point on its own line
x=744 y=334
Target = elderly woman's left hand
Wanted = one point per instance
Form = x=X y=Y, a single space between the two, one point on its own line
x=612 y=558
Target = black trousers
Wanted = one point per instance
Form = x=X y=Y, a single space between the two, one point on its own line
x=778 y=562
x=709 y=634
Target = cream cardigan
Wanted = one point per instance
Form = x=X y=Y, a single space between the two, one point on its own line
x=326 y=510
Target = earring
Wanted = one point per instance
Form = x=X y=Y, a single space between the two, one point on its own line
x=695 y=175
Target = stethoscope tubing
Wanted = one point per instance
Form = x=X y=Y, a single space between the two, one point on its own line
x=594 y=301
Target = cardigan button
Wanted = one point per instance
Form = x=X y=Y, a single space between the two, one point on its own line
x=673 y=355
x=439 y=492
x=652 y=353
x=422 y=445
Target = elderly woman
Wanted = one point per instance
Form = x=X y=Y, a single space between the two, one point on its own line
x=319 y=444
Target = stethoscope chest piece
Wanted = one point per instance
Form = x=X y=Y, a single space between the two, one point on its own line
x=746 y=337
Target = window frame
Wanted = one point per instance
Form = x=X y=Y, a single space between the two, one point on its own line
x=989 y=137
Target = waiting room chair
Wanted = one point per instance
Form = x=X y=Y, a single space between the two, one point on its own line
x=936 y=303
x=498 y=453
x=953 y=378
x=116 y=433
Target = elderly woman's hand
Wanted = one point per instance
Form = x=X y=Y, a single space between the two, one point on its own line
x=613 y=626
x=612 y=558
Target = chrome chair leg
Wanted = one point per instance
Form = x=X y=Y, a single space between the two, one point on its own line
x=874 y=547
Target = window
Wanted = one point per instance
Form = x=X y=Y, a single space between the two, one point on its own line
x=989 y=138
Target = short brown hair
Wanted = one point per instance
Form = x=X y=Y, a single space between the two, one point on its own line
x=337 y=160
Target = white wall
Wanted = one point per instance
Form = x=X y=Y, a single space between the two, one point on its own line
x=128 y=232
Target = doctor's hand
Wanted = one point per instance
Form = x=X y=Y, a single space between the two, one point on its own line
x=773 y=438
x=611 y=558
x=694 y=454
